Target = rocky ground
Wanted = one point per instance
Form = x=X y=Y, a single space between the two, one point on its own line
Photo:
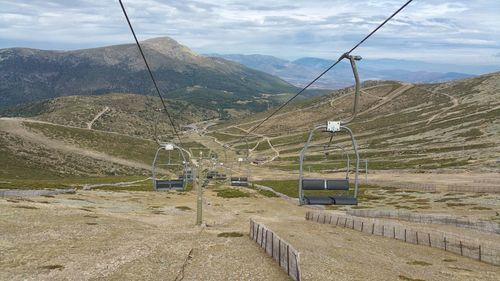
x=93 y=235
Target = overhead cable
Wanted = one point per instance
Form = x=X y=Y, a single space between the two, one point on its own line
x=151 y=74
x=328 y=69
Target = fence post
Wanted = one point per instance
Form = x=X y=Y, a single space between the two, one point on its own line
x=272 y=244
x=416 y=234
x=279 y=251
x=297 y=270
x=405 y=234
x=373 y=228
x=330 y=219
x=429 y=235
x=287 y=259
x=479 y=252
x=337 y=221
x=262 y=237
x=445 y=243
x=362 y=224
x=394 y=232
x=461 y=251
x=265 y=243
x=257 y=236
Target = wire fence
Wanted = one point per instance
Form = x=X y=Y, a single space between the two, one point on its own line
x=461 y=245
x=476 y=187
x=282 y=252
x=484 y=226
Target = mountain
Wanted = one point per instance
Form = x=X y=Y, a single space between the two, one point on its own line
x=301 y=71
x=451 y=125
x=30 y=75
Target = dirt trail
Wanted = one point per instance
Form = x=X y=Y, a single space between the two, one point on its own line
x=455 y=104
x=276 y=155
x=15 y=127
x=388 y=98
x=98 y=115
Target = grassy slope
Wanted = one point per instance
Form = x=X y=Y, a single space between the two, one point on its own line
x=26 y=164
x=398 y=134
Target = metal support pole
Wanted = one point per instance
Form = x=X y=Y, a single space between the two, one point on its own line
x=199 y=200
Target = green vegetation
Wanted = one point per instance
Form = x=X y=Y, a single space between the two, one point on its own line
x=263 y=145
x=472 y=133
x=125 y=147
x=481 y=208
x=183 y=208
x=223 y=137
x=231 y=193
x=67 y=182
x=406 y=278
x=421 y=263
x=287 y=187
x=267 y=193
x=230 y=234
x=52 y=267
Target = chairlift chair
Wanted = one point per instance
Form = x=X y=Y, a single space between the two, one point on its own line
x=170 y=184
x=330 y=184
x=337 y=184
x=241 y=180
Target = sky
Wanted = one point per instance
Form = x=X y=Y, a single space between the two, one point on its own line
x=442 y=31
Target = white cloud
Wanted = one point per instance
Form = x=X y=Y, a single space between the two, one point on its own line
x=461 y=29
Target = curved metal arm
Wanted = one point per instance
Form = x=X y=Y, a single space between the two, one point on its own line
x=356 y=169
x=357 y=88
x=301 y=160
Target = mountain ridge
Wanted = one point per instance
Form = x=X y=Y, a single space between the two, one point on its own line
x=29 y=74
x=301 y=71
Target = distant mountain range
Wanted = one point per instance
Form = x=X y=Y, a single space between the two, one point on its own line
x=28 y=75
x=301 y=71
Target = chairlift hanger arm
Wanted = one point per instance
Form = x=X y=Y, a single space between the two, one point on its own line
x=357 y=87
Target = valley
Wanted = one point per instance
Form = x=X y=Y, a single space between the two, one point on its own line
x=428 y=150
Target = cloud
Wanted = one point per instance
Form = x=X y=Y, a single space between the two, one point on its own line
x=426 y=30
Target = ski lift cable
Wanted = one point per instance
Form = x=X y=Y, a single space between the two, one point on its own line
x=328 y=69
x=151 y=73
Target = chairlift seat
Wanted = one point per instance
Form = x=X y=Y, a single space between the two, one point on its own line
x=239 y=181
x=330 y=200
x=169 y=184
x=325 y=184
x=220 y=177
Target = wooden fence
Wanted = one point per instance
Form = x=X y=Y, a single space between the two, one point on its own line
x=464 y=246
x=484 y=226
x=281 y=251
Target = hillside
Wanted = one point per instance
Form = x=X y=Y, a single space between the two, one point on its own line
x=29 y=75
x=416 y=127
x=301 y=71
x=129 y=114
